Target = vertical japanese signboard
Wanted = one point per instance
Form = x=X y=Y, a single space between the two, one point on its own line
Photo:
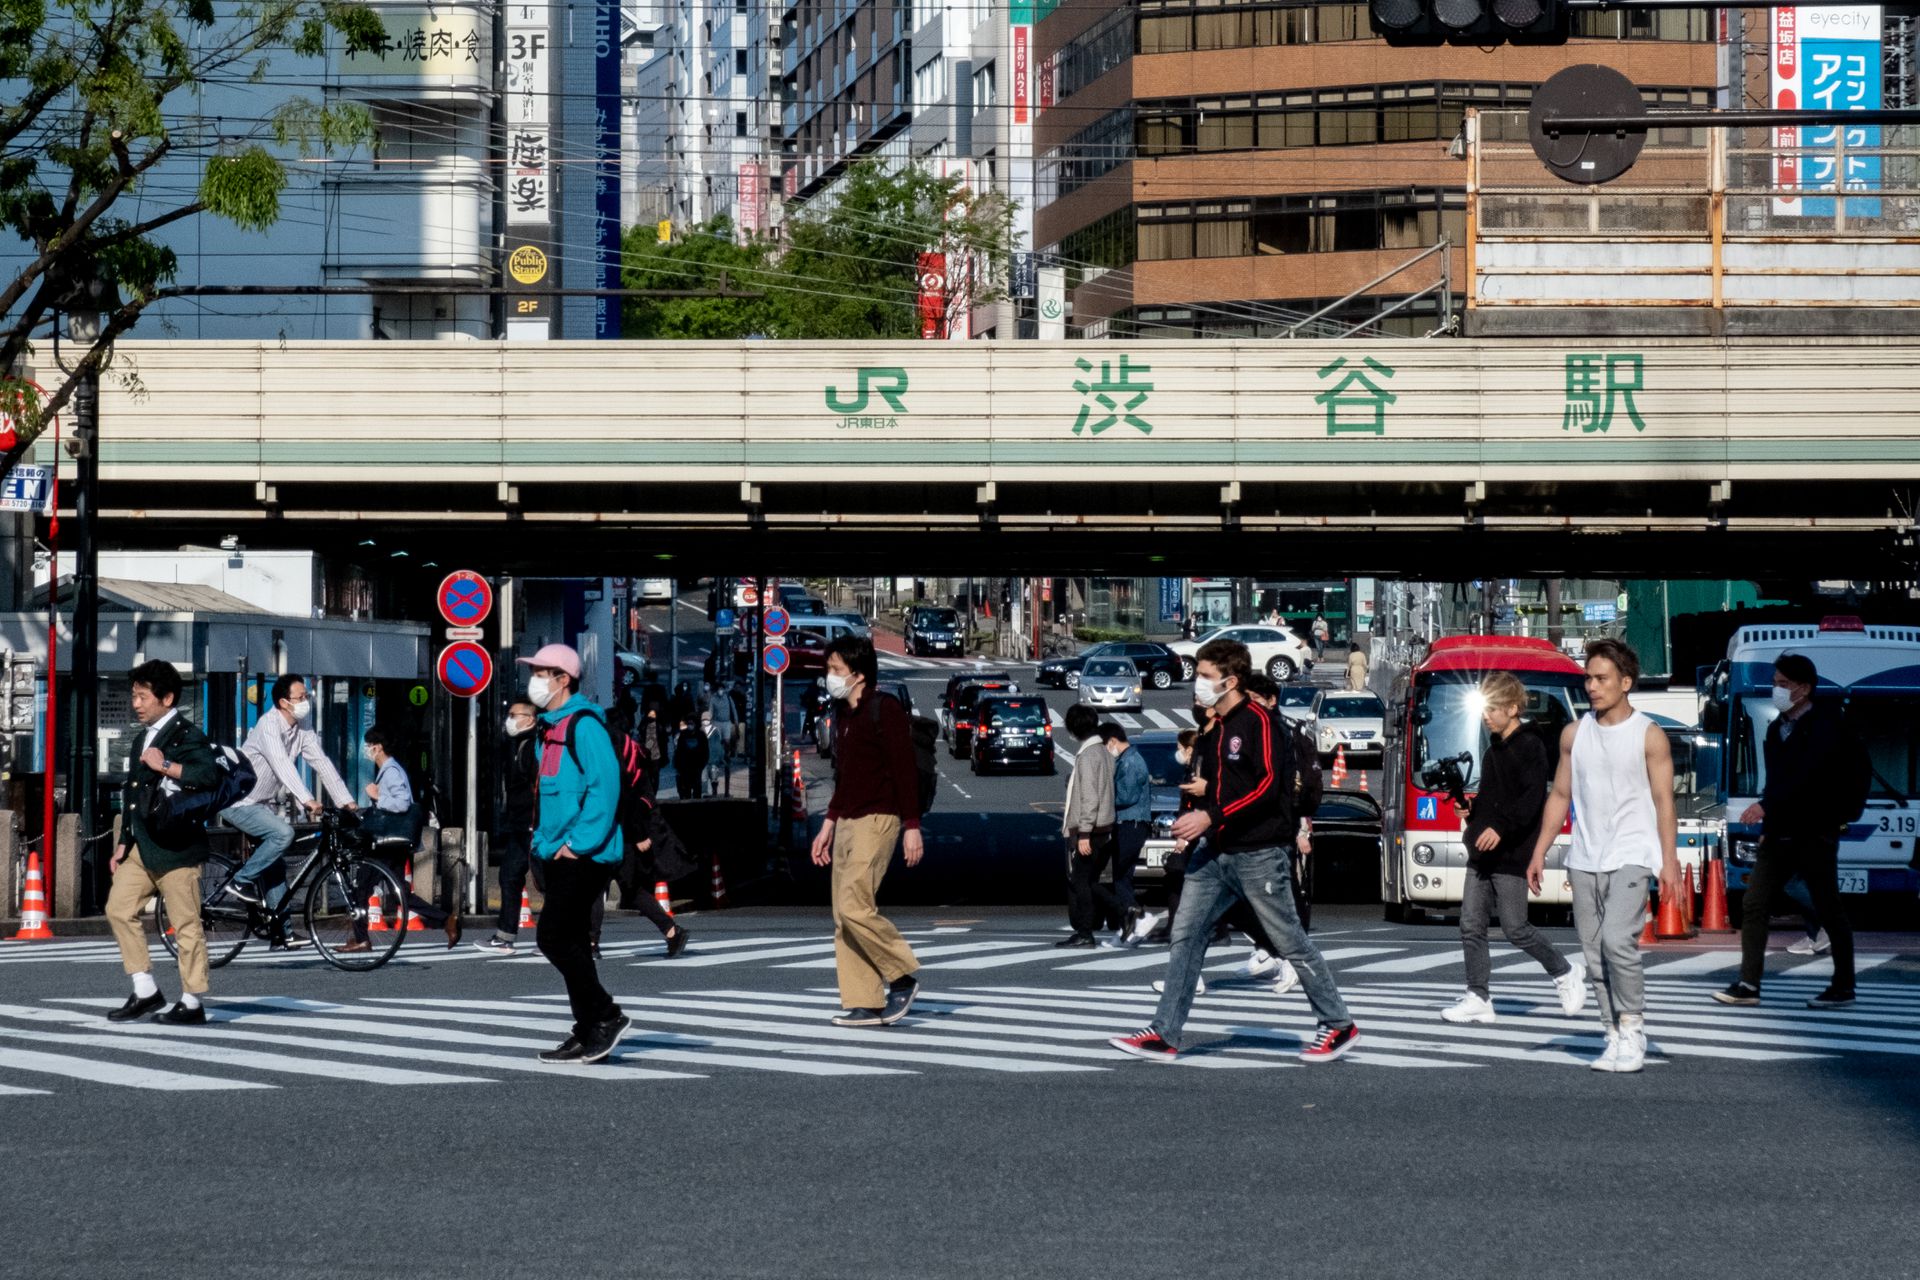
x=932 y=269
x=528 y=166
x=753 y=196
x=1826 y=59
x=606 y=164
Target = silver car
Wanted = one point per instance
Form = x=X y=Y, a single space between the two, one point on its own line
x=1354 y=720
x=1110 y=684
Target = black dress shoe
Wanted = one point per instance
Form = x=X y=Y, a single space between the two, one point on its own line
x=676 y=941
x=1077 y=940
x=181 y=1016
x=455 y=926
x=137 y=1007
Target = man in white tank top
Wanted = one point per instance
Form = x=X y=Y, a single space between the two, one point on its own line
x=1616 y=771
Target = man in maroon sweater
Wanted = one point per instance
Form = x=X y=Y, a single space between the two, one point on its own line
x=876 y=795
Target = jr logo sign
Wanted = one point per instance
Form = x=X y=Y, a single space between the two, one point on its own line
x=889 y=383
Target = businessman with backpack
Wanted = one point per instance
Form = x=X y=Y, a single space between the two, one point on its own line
x=1818 y=775
x=161 y=857
x=877 y=802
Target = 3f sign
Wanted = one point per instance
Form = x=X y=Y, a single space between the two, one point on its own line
x=522 y=45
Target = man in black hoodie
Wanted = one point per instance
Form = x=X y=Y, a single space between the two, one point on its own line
x=1502 y=823
x=1249 y=825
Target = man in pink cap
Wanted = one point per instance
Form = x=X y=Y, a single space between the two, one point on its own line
x=578 y=843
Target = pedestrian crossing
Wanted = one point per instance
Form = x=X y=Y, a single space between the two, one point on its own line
x=899 y=662
x=263 y=1042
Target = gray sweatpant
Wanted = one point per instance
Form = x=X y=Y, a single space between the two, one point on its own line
x=1483 y=893
x=1609 y=910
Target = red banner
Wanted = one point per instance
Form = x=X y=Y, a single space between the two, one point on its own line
x=1020 y=77
x=933 y=294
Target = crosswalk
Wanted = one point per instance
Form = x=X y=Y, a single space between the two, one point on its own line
x=268 y=1042
x=1357 y=953
x=898 y=662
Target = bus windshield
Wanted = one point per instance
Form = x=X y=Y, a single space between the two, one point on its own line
x=1446 y=711
x=1888 y=723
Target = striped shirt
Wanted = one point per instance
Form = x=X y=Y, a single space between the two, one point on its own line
x=273 y=747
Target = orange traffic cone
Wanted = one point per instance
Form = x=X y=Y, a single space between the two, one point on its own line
x=1686 y=900
x=376 y=921
x=1340 y=765
x=660 y=896
x=33 y=905
x=414 y=923
x=1363 y=780
x=719 y=884
x=1647 y=935
x=799 y=795
x=1673 y=919
x=526 y=912
x=1713 y=911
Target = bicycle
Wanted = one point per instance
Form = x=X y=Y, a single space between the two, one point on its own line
x=339 y=881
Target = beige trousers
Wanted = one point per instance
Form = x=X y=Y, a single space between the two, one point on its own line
x=867 y=950
x=133 y=886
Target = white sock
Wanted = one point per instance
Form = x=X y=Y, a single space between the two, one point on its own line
x=144 y=985
x=189 y=999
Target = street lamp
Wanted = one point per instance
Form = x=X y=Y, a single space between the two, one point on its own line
x=87 y=307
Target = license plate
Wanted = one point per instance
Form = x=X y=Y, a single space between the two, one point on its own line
x=1853 y=882
x=1157 y=857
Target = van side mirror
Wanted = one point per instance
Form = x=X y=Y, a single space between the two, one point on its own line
x=1713 y=717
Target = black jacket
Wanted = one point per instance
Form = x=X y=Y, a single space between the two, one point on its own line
x=520 y=771
x=1803 y=780
x=1515 y=775
x=182 y=743
x=1247 y=795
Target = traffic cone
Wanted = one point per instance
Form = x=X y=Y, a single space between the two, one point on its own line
x=799 y=797
x=660 y=896
x=1340 y=765
x=1686 y=900
x=33 y=905
x=526 y=912
x=1673 y=919
x=1647 y=935
x=376 y=921
x=1363 y=780
x=414 y=923
x=719 y=884
x=1713 y=910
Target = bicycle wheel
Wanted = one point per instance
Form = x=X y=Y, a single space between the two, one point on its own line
x=226 y=927
x=337 y=913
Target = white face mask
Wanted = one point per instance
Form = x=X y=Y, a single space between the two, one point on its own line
x=301 y=709
x=515 y=728
x=837 y=686
x=1205 y=692
x=539 y=690
x=1782 y=697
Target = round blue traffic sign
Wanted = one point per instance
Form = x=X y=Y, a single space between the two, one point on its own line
x=465 y=599
x=464 y=668
x=777 y=622
x=775 y=659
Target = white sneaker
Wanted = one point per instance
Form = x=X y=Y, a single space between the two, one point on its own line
x=1609 y=1059
x=1199 y=986
x=1572 y=986
x=1633 y=1045
x=1818 y=945
x=1261 y=965
x=1288 y=979
x=1145 y=925
x=1469 y=1008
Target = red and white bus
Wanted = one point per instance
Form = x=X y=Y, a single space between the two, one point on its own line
x=1423 y=861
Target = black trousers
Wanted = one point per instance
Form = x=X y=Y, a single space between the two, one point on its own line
x=516 y=853
x=1129 y=841
x=565 y=934
x=1818 y=863
x=1090 y=903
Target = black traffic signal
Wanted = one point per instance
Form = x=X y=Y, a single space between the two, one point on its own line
x=1470 y=22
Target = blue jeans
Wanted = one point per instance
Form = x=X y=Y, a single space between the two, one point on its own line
x=1262 y=878
x=275 y=835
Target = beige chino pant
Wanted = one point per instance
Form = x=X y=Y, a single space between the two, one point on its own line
x=133 y=886
x=868 y=951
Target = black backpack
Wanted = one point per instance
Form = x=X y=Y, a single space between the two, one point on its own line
x=1303 y=768
x=926 y=745
x=173 y=817
x=1851 y=777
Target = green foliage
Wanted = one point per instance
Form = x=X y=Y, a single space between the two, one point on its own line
x=848 y=272
x=101 y=93
x=1101 y=635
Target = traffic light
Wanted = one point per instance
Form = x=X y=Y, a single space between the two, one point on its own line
x=1470 y=22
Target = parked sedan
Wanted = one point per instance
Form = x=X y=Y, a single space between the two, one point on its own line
x=1354 y=720
x=1111 y=684
x=1157 y=664
x=1012 y=733
x=1275 y=650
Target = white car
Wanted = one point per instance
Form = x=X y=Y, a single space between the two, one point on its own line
x=1275 y=650
x=1356 y=720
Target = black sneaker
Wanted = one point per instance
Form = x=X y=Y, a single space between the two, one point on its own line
x=138 y=1007
x=1330 y=1042
x=245 y=892
x=858 y=1018
x=181 y=1016
x=899 y=999
x=297 y=941
x=1738 y=993
x=676 y=941
x=1832 y=998
x=1077 y=940
x=568 y=1050
x=601 y=1037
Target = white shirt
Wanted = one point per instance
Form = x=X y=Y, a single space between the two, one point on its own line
x=273 y=746
x=153 y=730
x=1614 y=827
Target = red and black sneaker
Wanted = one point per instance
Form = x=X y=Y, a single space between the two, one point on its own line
x=1146 y=1044
x=1329 y=1043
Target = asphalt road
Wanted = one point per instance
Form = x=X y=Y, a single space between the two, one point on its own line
x=337 y=1125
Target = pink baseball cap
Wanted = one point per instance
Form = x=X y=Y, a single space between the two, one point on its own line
x=559 y=657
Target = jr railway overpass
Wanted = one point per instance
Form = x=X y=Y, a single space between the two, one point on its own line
x=1550 y=455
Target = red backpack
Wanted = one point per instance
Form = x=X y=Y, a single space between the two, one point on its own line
x=635 y=807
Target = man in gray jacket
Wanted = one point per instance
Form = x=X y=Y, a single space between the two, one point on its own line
x=1088 y=826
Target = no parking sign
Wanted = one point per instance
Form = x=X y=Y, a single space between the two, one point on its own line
x=465 y=669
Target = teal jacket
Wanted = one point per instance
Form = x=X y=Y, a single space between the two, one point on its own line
x=579 y=786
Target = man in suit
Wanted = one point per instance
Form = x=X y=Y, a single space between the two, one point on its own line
x=174 y=756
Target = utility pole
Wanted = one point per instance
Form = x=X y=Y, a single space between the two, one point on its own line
x=84 y=768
